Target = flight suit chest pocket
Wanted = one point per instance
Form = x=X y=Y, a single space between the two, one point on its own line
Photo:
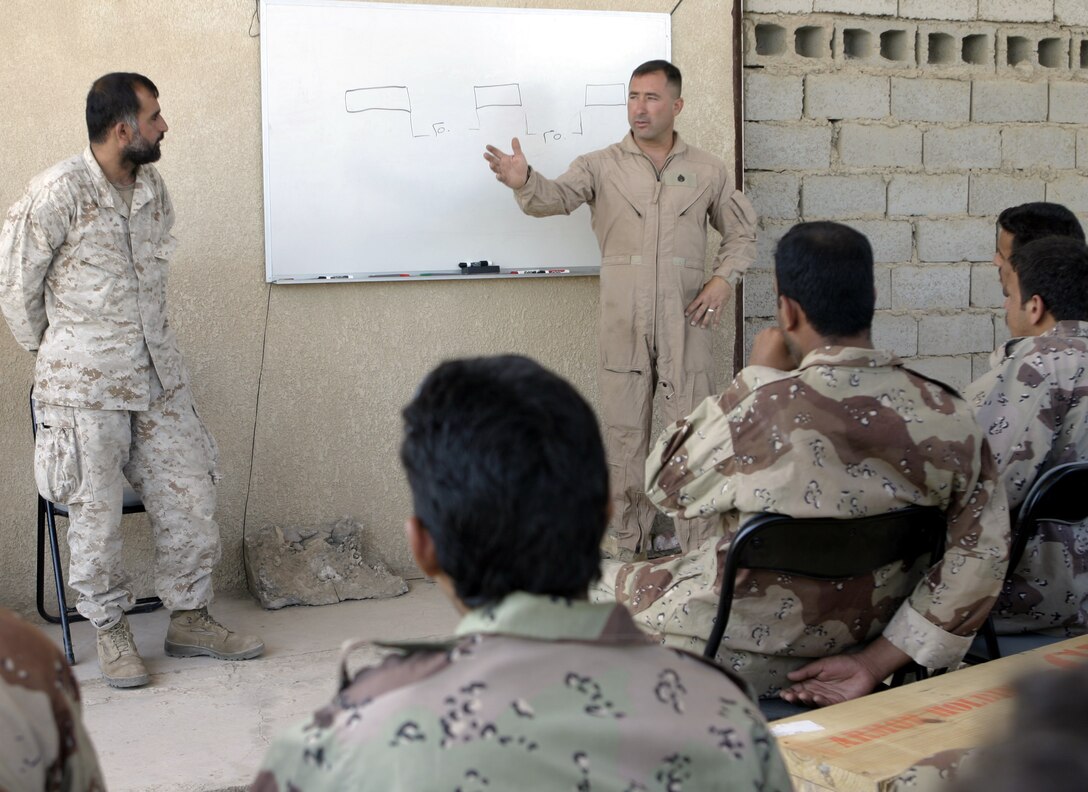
x=687 y=196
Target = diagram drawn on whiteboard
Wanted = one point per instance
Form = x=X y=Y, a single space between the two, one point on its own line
x=397 y=99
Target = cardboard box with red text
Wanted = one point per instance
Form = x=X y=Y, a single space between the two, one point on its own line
x=912 y=737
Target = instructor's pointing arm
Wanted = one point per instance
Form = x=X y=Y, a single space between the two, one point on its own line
x=511 y=169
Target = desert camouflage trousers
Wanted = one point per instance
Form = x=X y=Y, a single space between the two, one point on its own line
x=684 y=617
x=82 y=458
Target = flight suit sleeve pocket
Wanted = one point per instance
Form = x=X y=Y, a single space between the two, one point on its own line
x=58 y=458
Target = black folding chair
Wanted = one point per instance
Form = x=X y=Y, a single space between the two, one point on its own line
x=47 y=518
x=829 y=549
x=1058 y=495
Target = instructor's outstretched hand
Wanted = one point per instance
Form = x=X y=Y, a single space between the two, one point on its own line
x=511 y=169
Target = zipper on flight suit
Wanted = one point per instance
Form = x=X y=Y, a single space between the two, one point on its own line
x=656 y=202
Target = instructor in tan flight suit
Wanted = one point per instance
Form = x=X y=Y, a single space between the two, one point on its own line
x=651 y=196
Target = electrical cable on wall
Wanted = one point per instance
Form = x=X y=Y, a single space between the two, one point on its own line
x=256 y=414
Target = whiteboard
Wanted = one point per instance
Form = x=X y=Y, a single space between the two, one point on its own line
x=375 y=118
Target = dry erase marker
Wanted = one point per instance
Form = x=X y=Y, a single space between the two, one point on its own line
x=558 y=271
x=528 y=272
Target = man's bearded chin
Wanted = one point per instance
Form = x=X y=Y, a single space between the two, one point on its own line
x=142 y=152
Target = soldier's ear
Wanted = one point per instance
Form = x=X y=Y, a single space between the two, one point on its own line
x=1036 y=309
x=422 y=546
x=789 y=313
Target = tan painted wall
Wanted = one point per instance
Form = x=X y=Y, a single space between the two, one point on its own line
x=301 y=385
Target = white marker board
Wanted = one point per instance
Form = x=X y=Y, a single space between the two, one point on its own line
x=376 y=116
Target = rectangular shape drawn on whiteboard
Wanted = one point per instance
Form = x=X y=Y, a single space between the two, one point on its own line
x=498 y=95
x=606 y=95
x=386 y=97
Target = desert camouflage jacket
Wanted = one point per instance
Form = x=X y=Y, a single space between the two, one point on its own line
x=850 y=432
x=43 y=745
x=1032 y=406
x=83 y=284
x=534 y=694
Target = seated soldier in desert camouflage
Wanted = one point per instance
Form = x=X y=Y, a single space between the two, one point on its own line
x=1033 y=407
x=539 y=689
x=823 y=425
x=43 y=744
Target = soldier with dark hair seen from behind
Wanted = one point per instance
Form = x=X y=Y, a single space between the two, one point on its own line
x=539 y=689
x=821 y=424
x=1032 y=406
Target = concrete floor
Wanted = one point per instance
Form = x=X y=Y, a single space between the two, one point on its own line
x=204 y=725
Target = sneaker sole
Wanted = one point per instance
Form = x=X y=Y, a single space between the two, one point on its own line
x=183 y=650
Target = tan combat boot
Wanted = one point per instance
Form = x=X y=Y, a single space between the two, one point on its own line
x=117 y=657
x=194 y=633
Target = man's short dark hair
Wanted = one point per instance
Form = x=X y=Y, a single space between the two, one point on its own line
x=672 y=74
x=1055 y=268
x=1031 y=221
x=827 y=268
x=508 y=476
x=112 y=99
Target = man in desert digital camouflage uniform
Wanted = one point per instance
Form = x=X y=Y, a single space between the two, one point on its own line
x=539 y=689
x=43 y=744
x=83 y=265
x=823 y=425
x=1033 y=408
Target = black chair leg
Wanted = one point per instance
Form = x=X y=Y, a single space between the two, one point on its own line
x=989 y=635
x=40 y=562
x=47 y=517
x=910 y=669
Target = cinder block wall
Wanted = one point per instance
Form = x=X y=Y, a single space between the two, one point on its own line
x=916 y=122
